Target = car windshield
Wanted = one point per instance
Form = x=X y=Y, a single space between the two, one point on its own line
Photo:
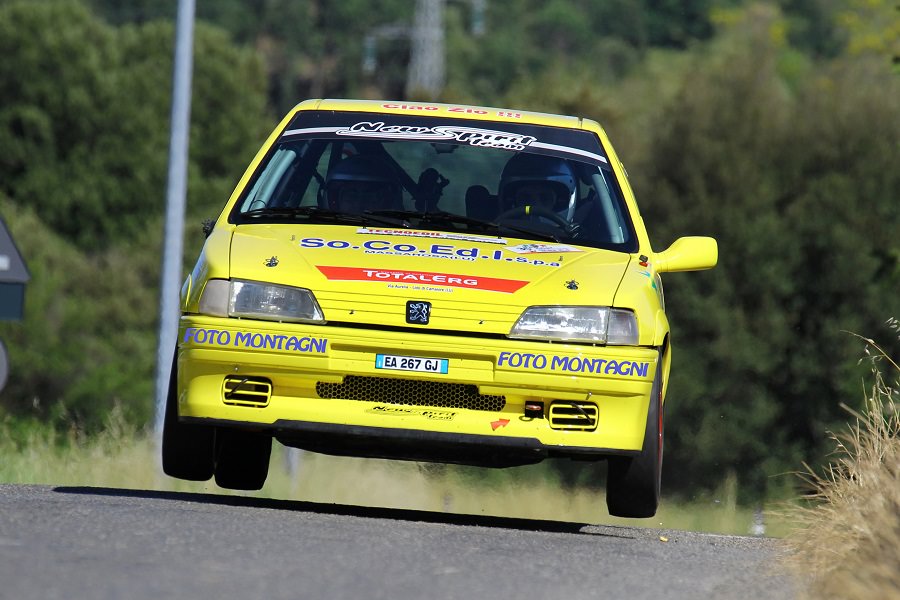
x=504 y=179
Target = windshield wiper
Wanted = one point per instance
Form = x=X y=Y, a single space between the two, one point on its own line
x=323 y=214
x=542 y=235
x=485 y=226
x=439 y=217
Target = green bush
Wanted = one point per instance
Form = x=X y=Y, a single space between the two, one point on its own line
x=799 y=184
x=84 y=138
x=84 y=124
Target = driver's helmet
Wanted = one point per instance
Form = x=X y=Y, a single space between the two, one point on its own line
x=360 y=183
x=544 y=181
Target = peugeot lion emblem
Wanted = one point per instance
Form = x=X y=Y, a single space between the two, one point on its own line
x=418 y=313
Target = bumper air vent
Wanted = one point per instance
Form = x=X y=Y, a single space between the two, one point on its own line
x=246 y=391
x=410 y=392
x=573 y=416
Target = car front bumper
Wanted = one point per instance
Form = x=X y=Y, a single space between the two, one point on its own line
x=329 y=393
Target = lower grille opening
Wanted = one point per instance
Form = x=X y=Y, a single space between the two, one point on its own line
x=573 y=416
x=246 y=391
x=410 y=392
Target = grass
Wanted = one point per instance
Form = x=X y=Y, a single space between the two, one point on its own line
x=123 y=458
x=848 y=543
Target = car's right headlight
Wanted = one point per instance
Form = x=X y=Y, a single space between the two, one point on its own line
x=258 y=300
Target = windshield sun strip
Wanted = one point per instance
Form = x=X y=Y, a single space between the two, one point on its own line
x=311 y=131
x=568 y=150
x=308 y=131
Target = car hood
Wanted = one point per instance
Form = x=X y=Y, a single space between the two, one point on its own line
x=475 y=283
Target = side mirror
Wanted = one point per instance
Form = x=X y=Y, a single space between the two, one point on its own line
x=692 y=253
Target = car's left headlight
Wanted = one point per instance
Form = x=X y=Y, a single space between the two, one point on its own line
x=596 y=324
x=257 y=300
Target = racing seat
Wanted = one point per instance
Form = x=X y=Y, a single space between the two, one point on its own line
x=362 y=182
x=481 y=204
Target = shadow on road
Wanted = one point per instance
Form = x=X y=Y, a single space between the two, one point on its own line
x=357 y=511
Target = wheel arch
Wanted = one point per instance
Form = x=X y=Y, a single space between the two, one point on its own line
x=665 y=356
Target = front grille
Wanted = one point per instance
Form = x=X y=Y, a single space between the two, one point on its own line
x=410 y=392
x=246 y=391
x=573 y=416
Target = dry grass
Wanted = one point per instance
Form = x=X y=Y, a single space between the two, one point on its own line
x=848 y=545
x=123 y=458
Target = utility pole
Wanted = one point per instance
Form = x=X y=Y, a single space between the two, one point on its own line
x=173 y=238
x=426 y=68
x=476 y=19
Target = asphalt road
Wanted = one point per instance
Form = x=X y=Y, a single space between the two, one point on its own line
x=98 y=543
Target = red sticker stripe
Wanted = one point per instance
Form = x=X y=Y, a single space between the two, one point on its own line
x=471 y=282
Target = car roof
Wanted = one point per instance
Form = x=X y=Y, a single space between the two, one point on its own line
x=464 y=111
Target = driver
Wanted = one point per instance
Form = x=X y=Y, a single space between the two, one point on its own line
x=543 y=194
x=361 y=183
x=534 y=181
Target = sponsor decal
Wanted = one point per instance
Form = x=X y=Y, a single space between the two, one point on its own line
x=395 y=411
x=468 y=110
x=420 y=288
x=499 y=423
x=257 y=341
x=411 y=107
x=492 y=284
x=541 y=248
x=426 y=250
x=441 y=235
x=649 y=276
x=573 y=364
x=473 y=136
x=271 y=262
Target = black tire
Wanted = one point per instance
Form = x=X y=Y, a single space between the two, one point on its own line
x=188 y=451
x=242 y=459
x=633 y=483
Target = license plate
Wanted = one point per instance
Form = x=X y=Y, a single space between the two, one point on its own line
x=411 y=363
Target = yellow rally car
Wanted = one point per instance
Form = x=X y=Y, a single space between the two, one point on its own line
x=428 y=282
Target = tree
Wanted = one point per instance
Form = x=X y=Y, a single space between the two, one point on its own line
x=800 y=190
x=84 y=111
x=84 y=118
x=86 y=343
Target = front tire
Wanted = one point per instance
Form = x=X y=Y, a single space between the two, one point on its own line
x=633 y=483
x=188 y=451
x=242 y=459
